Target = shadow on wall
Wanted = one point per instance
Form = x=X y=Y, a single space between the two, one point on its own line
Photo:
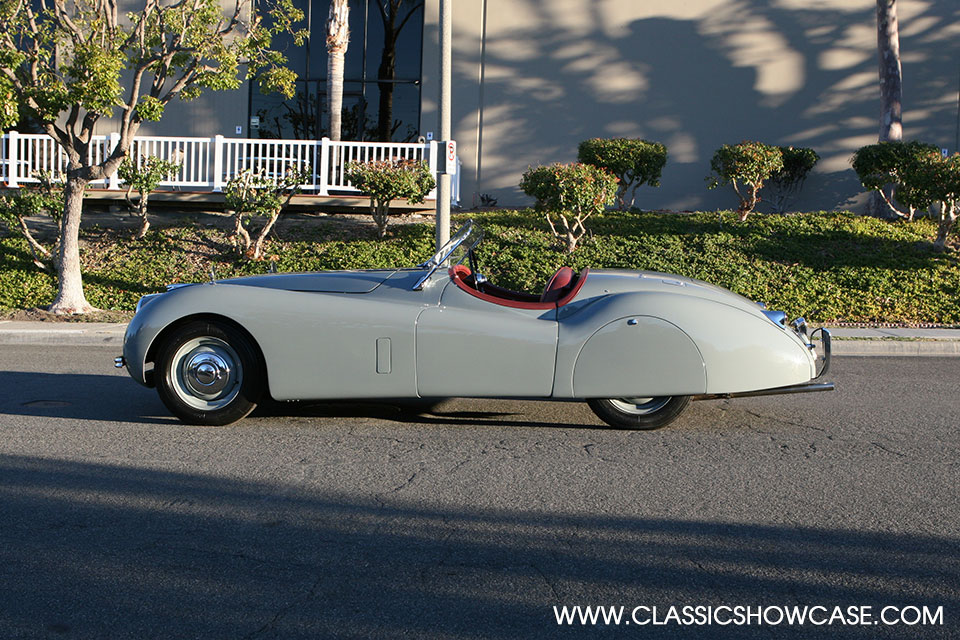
x=695 y=78
x=106 y=550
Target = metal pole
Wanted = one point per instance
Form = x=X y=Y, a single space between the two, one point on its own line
x=956 y=145
x=443 y=182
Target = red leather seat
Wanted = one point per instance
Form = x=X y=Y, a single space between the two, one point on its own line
x=557 y=285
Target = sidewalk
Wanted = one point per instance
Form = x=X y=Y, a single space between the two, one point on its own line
x=846 y=341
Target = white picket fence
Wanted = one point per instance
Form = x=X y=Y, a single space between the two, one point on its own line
x=210 y=163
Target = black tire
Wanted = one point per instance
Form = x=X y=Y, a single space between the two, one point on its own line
x=209 y=373
x=649 y=413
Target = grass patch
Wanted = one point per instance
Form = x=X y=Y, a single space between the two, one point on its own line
x=828 y=267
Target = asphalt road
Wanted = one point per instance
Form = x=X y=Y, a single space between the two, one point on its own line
x=324 y=521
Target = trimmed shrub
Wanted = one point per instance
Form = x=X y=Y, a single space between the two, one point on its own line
x=144 y=177
x=745 y=166
x=386 y=180
x=788 y=181
x=250 y=195
x=930 y=179
x=568 y=194
x=881 y=168
x=635 y=162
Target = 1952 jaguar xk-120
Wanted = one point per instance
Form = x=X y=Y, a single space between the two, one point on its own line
x=635 y=345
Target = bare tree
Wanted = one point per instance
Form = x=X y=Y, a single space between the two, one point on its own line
x=338 y=38
x=891 y=87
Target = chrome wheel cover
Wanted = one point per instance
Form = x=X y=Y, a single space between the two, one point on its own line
x=206 y=373
x=640 y=406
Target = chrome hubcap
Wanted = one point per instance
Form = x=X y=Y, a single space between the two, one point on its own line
x=640 y=406
x=207 y=373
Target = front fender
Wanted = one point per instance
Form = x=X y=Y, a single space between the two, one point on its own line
x=315 y=345
x=165 y=309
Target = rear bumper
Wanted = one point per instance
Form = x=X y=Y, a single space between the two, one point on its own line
x=825 y=339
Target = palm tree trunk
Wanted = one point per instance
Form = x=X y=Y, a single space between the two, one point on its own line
x=338 y=38
x=386 y=73
x=891 y=92
x=891 y=81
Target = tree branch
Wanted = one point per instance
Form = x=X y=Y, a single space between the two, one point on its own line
x=891 y=205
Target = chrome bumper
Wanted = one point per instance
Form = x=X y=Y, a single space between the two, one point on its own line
x=825 y=338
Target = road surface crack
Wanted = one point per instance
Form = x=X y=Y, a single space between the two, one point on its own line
x=883 y=448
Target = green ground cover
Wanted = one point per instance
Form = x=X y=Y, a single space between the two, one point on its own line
x=828 y=267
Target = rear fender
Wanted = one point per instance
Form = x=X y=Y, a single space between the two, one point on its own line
x=696 y=345
x=638 y=356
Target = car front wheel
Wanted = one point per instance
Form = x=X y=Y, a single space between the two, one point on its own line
x=209 y=374
x=639 y=413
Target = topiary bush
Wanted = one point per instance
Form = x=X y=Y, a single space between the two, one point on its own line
x=798 y=162
x=928 y=178
x=568 y=194
x=745 y=166
x=635 y=162
x=387 y=180
x=881 y=168
x=144 y=176
x=249 y=195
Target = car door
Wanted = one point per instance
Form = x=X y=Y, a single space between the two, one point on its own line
x=472 y=347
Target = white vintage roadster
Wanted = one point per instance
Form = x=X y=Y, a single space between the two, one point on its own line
x=637 y=346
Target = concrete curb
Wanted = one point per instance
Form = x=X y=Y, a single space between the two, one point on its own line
x=74 y=334
x=846 y=341
x=918 y=347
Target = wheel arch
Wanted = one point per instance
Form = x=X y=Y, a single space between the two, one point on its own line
x=151 y=353
x=639 y=355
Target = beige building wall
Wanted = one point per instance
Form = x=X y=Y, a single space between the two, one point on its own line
x=213 y=113
x=532 y=78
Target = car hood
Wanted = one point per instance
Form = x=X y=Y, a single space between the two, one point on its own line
x=317 y=281
x=602 y=282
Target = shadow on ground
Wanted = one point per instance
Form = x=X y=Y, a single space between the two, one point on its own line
x=80 y=397
x=101 y=550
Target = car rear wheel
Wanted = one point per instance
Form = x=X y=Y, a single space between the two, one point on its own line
x=639 y=413
x=209 y=373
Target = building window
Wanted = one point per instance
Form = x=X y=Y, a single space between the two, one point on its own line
x=381 y=92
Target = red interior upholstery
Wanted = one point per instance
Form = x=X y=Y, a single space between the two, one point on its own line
x=557 y=284
x=460 y=271
x=562 y=287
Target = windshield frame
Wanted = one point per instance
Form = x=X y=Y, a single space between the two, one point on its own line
x=467 y=231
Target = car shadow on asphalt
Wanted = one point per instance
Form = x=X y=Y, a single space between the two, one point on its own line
x=80 y=396
x=408 y=412
x=117 y=398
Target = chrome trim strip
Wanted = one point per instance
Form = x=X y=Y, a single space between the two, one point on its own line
x=809 y=387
